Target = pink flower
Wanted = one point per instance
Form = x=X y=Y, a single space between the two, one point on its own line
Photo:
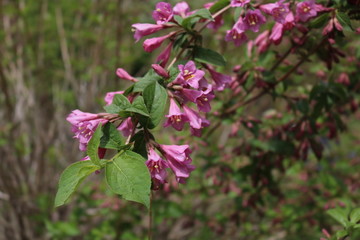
x=236 y=35
x=203 y=101
x=163 y=13
x=305 y=10
x=160 y=70
x=239 y=3
x=151 y=44
x=182 y=9
x=175 y=118
x=164 y=56
x=196 y=121
x=157 y=167
x=262 y=41
x=221 y=80
x=126 y=127
x=252 y=20
x=189 y=94
x=84 y=125
x=179 y=161
x=278 y=30
x=278 y=10
x=121 y=73
x=144 y=29
x=110 y=96
x=189 y=75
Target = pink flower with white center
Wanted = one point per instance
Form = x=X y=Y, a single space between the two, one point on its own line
x=157 y=167
x=126 y=127
x=239 y=3
x=164 y=56
x=175 y=118
x=252 y=21
x=236 y=35
x=182 y=9
x=163 y=13
x=305 y=10
x=189 y=75
x=196 y=121
x=278 y=10
x=84 y=125
x=221 y=80
x=179 y=161
x=144 y=29
x=151 y=44
x=121 y=73
x=110 y=96
x=203 y=101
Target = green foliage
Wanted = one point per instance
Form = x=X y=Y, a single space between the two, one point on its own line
x=128 y=176
x=93 y=146
x=71 y=178
x=111 y=138
x=209 y=56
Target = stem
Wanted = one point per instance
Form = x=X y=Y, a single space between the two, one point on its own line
x=150 y=216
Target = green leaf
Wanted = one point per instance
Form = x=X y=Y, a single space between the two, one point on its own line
x=145 y=81
x=119 y=103
x=155 y=97
x=355 y=215
x=128 y=176
x=71 y=178
x=344 y=20
x=209 y=56
x=320 y=21
x=340 y=215
x=139 y=107
x=111 y=138
x=93 y=146
x=219 y=5
x=140 y=143
x=193 y=18
x=341 y=234
x=178 y=19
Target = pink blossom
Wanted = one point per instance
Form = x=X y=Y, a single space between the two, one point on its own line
x=110 y=96
x=144 y=29
x=203 y=101
x=252 y=21
x=278 y=30
x=189 y=94
x=175 y=118
x=163 y=13
x=164 y=56
x=157 y=167
x=221 y=80
x=278 y=10
x=179 y=161
x=84 y=125
x=262 y=41
x=236 y=35
x=182 y=9
x=126 y=127
x=151 y=44
x=121 y=73
x=305 y=10
x=239 y=3
x=160 y=70
x=189 y=75
x=196 y=121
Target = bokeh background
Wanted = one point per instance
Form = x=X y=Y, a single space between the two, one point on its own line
x=56 y=56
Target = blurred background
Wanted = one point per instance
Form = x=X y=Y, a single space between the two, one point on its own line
x=57 y=56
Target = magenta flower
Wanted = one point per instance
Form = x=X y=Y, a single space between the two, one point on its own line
x=144 y=29
x=221 y=80
x=160 y=70
x=278 y=29
x=189 y=75
x=157 y=167
x=278 y=10
x=239 y=3
x=252 y=21
x=196 y=121
x=164 y=56
x=182 y=9
x=305 y=10
x=175 y=118
x=178 y=160
x=189 y=94
x=203 y=101
x=121 y=73
x=110 y=96
x=84 y=125
x=262 y=41
x=236 y=35
x=151 y=44
x=126 y=127
x=163 y=13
